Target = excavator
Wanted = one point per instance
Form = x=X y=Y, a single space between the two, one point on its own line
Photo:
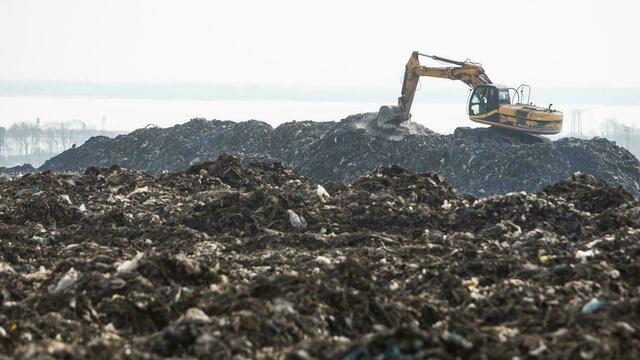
x=489 y=103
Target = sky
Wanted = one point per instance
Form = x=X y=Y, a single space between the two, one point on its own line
x=317 y=44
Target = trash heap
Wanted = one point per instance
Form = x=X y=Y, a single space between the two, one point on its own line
x=256 y=261
x=17 y=170
x=481 y=161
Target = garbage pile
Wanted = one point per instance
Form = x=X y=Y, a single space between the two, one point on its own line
x=17 y=170
x=232 y=260
x=482 y=161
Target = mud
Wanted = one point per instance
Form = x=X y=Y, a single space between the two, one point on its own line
x=209 y=263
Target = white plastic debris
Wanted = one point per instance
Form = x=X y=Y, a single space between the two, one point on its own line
x=67 y=280
x=322 y=193
x=296 y=221
x=283 y=306
x=5 y=267
x=446 y=205
x=615 y=274
x=538 y=351
x=592 y=306
x=139 y=190
x=66 y=199
x=41 y=275
x=593 y=243
x=82 y=208
x=110 y=328
x=130 y=265
x=195 y=315
x=323 y=260
x=625 y=327
x=506 y=333
x=584 y=255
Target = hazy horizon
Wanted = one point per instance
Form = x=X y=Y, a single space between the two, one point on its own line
x=333 y=43
x=163 y=61
x=383 y=94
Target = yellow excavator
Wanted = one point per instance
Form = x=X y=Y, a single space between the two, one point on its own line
x=488 y=103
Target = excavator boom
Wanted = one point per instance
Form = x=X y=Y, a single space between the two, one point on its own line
x=467 y=72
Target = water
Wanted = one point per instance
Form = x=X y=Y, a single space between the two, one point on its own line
x=129 y=114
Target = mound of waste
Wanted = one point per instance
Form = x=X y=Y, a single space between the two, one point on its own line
x=17 y=170
x=228 y=260
x=481 y=162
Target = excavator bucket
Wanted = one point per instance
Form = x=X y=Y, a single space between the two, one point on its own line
x=390 y=116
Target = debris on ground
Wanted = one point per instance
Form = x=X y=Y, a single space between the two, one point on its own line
x=17 y=170
x=395 y=264
x=480 y=161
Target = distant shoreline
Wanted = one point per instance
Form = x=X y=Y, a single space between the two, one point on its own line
x=351 y=93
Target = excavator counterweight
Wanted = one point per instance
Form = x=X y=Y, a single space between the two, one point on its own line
x=488 y=104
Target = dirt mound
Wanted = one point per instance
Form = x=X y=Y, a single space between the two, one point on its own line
x=481 y=161
x=256 y=261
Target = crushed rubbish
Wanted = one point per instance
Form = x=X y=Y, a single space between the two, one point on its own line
x=16 y=170
x=322 y=193
x=212 y=263
x=130 y=265
x=480 y=161
x=69 y=278
x=592 y=306
x=295 y=220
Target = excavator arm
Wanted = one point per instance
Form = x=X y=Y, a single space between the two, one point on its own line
x=470 y=73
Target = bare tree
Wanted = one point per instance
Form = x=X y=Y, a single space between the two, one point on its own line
x=624 y=135
x=34 y=142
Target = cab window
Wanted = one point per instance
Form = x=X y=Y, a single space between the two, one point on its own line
x=484 y=99
x=479 y=103
x=492 y=98
x=503 y=97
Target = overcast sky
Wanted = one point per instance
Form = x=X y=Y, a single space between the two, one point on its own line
x=320 y=43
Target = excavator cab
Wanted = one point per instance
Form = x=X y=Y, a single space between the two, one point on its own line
x=487 y=98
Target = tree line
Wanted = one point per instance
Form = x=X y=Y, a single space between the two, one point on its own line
x=34 y=143
x=627 y=136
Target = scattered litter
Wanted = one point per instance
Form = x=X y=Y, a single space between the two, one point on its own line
x=140 y=190
x=295 y=220
x=67 y=280
x=592 y=306
x=540 y=350
x=195 y=315
x=322 y=193
x=585 y=255
x=214 y=264
x=488 y=160
x=66 y=199
x=130 y=265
